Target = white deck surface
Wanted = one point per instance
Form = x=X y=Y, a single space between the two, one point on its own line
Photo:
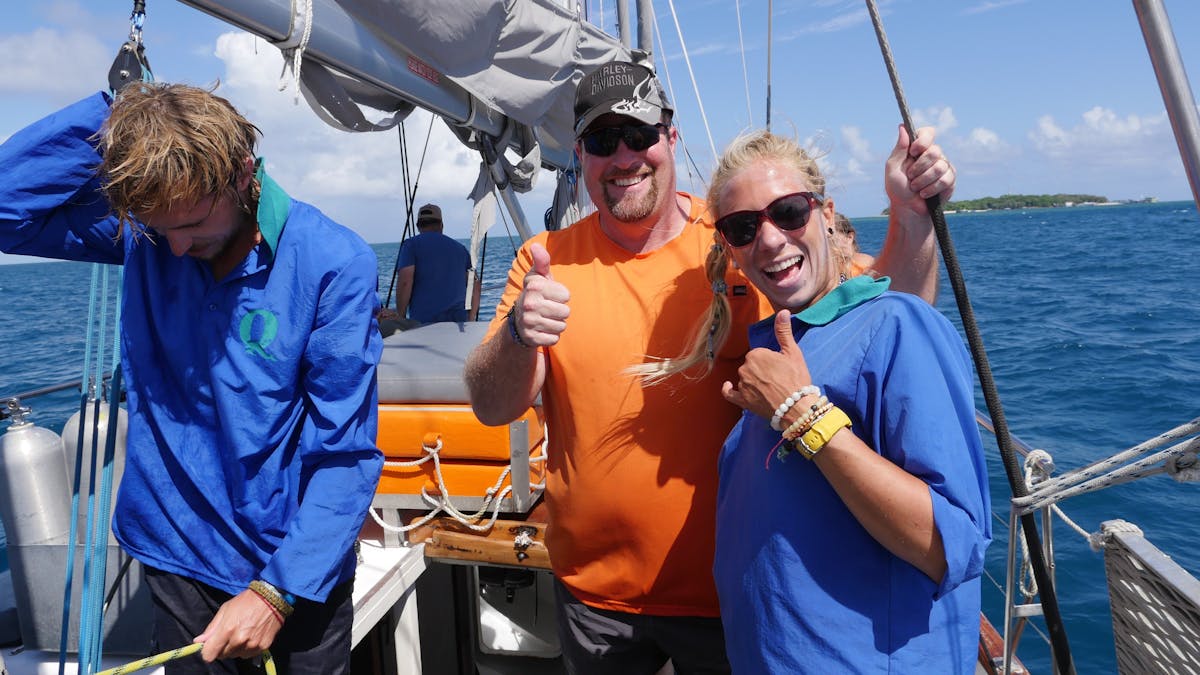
x=384 y=582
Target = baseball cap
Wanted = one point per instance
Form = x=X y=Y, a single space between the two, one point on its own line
x=623 y=88
x=430 y=213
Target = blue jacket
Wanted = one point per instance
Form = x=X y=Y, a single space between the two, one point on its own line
x=804 y=588
x=252 y=400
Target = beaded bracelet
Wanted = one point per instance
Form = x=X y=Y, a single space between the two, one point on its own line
x=512 y=328
x=274 y=597
x=801 y=425
x=822 y=430
x=807 y=390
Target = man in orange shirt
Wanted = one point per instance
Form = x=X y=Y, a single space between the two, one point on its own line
x=632 y=476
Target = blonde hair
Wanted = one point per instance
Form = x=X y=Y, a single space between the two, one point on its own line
x=169 y=143
x=714 y=327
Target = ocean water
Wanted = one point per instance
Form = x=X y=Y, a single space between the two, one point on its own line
x=1088 y=316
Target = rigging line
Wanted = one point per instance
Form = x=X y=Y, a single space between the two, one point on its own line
x=408 y=209
x=682 y=140
x=1099 y=466
x=508 y=230
x=1016 y=480
x=770 y=11
x=420 y=168
x=737 y=6
x=691 y=164
x=688 y=60
x=1140 y=469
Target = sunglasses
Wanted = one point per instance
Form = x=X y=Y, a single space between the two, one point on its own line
x=603 y=142
x=789 y=212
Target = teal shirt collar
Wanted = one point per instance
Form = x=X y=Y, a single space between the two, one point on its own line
x=273 y=207
x=848 y=295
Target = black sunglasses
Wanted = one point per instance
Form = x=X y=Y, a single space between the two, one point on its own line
x=789 y=212
x=637 y=137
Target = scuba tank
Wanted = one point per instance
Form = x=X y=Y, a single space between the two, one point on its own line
x=70 y=443
x=35 y=493
x=35 y=507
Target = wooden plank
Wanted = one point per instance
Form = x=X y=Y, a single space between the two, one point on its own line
x=447 y=540
x=991 y=650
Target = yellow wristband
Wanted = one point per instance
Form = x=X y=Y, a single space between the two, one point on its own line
x=822 y=429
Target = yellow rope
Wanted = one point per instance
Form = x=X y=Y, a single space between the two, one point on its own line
x=159 y=659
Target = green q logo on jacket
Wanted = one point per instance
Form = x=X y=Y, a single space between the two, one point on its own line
x=257 y=335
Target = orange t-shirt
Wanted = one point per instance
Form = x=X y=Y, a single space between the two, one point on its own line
x=632 y=471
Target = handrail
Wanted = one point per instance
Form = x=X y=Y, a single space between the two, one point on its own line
x=42 y=391
x=985 y=421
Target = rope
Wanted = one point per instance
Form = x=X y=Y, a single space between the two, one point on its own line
x=737 y=6
x=409 y=194
x=1178 y=461
x=688 y=60
x=292 y=49
x=1058 y=636
x=159 y=659
x=493 y=496
x=86 y=386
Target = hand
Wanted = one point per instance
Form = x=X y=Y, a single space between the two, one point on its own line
x=541 y=310
x=243 y=627
x=916 y=171
x=768 y=377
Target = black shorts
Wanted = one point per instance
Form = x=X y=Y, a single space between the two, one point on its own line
x=315 y=639
x=601 y=642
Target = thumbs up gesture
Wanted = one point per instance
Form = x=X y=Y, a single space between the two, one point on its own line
x=768 y=377
x=540 y=312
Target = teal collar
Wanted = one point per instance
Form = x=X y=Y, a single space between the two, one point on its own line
x=848 y=295
x=273 y=207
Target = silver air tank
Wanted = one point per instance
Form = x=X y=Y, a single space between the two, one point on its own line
x=70 y=441
x=35 y=495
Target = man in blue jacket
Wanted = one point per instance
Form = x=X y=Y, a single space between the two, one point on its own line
x=249 y=348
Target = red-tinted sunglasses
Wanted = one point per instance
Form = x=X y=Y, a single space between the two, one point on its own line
x=789 y=212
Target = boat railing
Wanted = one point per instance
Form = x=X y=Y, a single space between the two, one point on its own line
x=1154 y=602
x=9 y=403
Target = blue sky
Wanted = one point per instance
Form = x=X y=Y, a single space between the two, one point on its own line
x=1028 y=96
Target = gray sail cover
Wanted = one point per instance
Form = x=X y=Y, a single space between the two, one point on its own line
x=504 y=69
x=516 y=58
x=521 y=57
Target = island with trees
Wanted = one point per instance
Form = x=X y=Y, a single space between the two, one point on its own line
x=1031 y=202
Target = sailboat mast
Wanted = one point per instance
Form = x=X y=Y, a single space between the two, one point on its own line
x=623 y=30
x=1173 y=81
x=646 y=26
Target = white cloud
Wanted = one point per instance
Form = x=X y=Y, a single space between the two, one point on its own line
x=979 y=149
x=854 y=168
x=37 y=63
x=992 y=5
x=940 y=118
x=1103 y=137
x=356 y=177
x=856 y=144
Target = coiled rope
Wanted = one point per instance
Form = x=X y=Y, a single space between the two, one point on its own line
x=493 y=496
x=159 y=659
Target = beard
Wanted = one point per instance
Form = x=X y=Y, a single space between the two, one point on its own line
x=633 y=208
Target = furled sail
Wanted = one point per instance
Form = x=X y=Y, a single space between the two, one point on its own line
x=499 y=73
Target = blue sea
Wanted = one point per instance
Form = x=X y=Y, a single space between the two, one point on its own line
x=1090 y=321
